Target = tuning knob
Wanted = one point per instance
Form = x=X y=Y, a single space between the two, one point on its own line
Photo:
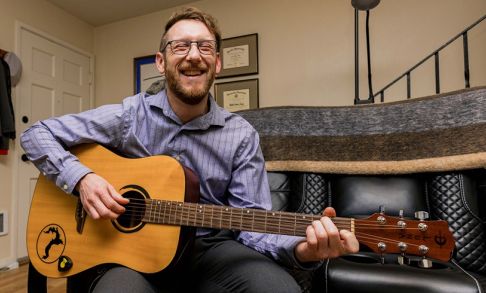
x=421 y=215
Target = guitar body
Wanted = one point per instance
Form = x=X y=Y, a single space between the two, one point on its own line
x=54 y=242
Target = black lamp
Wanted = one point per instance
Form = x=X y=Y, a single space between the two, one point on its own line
x=364 y=5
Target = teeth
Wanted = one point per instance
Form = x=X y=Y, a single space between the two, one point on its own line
x=192 y=72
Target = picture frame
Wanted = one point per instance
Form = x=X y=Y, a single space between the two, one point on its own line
x=145 y=73
x=239 y=56
x=237 y=95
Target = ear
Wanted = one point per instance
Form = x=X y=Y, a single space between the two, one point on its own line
x=218 y=63
x=160 y=62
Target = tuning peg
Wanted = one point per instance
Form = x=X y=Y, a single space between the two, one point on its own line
x=425 y=263
x=403 y=259
x=382 y=248
x=400 y=214
x=382 y=209
x=422 y=215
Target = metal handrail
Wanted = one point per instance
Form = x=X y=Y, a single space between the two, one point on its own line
x=436 y=57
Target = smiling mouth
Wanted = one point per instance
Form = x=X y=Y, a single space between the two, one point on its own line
x=192 y=72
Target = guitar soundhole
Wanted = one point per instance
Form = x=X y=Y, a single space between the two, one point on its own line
x=131 y=220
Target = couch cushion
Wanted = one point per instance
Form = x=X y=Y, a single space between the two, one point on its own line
x=361 y=196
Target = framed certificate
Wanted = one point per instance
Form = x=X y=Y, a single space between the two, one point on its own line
x=239 y=56
x=237 y=95
x=145 y=73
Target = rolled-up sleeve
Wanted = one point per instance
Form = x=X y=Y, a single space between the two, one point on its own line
x=46 y=143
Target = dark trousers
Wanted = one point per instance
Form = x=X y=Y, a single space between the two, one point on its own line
x=218 y=264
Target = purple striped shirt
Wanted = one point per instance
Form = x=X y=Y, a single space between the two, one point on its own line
x=221 y=147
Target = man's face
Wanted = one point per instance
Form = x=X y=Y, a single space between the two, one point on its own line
x=188 y=77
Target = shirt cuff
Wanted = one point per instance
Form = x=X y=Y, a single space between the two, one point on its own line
x=70 y=176
x=290 y=251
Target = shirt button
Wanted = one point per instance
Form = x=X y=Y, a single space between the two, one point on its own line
x=65 y=186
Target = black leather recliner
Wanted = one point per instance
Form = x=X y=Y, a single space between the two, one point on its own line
x=455 y=197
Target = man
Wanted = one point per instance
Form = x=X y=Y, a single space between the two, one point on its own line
x=184 y=121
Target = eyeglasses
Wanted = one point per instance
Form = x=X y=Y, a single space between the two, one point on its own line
x=181 y=47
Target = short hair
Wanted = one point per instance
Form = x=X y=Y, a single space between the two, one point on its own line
x=192 y=13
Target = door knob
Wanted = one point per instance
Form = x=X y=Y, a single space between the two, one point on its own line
x=24 y=158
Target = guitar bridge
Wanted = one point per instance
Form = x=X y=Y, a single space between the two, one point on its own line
x=80 y=217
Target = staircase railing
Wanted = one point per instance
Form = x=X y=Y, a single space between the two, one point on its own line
x=435 y=54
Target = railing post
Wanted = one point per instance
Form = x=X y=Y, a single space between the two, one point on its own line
x=437 y=73
x=409 y=94
x=466 y=59
x=356 y=58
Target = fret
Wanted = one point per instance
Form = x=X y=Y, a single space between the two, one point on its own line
x=211 y=217
x=246 y=220
x=181 y=213
x=221 y=218
x=226 y=218
x=231 y=217
x=295 y=224
x=200 y=214
x=149 y=207
x=193 y=213
x=241 y=220
x=203 y=212
x=157 y=212
x=253 y=221
x=174 y=213
x=170 y=211
x=165 y=212
x=265 y=226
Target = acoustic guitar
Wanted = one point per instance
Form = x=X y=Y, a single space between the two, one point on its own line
x=63 y=241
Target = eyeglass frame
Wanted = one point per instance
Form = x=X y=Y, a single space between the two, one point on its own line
x=190 y=47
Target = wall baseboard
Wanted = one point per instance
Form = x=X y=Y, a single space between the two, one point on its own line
x=8 y=264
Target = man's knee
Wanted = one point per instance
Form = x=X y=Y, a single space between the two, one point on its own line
x=121 y=279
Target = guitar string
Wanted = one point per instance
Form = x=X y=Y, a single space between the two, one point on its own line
x=284 y=217
x=289 y=219
x=292 y=215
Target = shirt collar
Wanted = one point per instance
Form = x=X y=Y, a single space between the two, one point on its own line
x=215 y=115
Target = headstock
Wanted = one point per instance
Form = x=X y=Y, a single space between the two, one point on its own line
x=386 y=234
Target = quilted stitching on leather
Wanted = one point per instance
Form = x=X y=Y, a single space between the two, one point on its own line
x=448 y=203
x=314 y=199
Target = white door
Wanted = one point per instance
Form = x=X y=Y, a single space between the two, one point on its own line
x=55 y=81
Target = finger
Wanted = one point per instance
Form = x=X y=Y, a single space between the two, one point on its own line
x=335 y=245
x=116 y=196
x=350 y=243
x=321 y=235
x=103 y=210
x=329 y=212
x=90 y=210
x=110 y=201
x=311 y=238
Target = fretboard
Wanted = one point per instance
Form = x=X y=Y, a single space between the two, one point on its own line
x=223 y=217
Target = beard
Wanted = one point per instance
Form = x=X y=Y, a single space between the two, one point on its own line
x=191 y=95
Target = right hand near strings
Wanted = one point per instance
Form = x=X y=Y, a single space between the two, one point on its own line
x=99 y=198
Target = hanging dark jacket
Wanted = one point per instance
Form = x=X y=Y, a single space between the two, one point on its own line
x=7 y=119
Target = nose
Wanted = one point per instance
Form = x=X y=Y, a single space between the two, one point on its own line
x=193 y=53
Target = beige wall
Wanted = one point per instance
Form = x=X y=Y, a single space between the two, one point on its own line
x=54 y=21
x=306 y=48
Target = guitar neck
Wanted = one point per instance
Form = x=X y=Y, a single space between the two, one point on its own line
x=223 y=217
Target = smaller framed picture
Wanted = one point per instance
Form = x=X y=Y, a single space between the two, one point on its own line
x=237 y=95
x=145 y=73
x=239 y=56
